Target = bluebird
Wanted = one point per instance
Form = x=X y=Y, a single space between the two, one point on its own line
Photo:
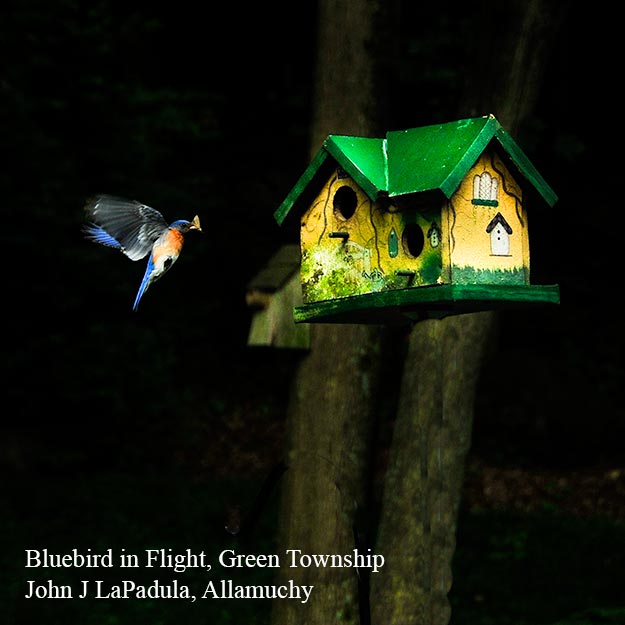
x=137 y=230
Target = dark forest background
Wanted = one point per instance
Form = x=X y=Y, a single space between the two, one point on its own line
x=154 y=428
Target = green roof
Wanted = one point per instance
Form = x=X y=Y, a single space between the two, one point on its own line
x=416 y=160
x=364 y=159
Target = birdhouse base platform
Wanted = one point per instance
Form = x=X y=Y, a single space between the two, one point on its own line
x=413 y=304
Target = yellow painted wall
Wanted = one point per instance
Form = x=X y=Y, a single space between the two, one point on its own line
x=321 y=218
x=469 y=243
x=362 y=263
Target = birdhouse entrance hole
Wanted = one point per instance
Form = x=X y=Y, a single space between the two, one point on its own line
x=413 y=240
x=345 y=202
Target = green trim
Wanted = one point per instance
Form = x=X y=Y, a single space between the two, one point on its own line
x=406 y=305
x=479 y=202
x=303 y=182
x=472 y=152
x=364 y=159
x=430 y=158
x=436 y=156
x=525 y=166
x=478 y=275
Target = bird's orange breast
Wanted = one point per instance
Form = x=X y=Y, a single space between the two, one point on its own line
x=171 y=245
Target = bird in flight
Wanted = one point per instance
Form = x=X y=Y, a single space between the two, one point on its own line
x=137 y=231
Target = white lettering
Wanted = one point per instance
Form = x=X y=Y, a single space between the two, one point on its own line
x=35 y=558
x=348 y=560
x=228 y=559
x=48 y=590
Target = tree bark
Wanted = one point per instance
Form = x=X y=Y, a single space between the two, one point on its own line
x=422 y=491
x=330 y=417
x=507 y=74
x=332 y=401
x=354 y=43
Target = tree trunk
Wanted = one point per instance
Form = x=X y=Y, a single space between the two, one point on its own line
x=421 y=490
x=434 y=420
x=509 y=64
x=332 y=401
x=330 y=416
x=354 y=43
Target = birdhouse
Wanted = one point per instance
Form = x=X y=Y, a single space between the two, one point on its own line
x=271 y=294
x=425 y=222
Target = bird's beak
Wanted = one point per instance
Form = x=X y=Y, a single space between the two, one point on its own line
x=195 y=224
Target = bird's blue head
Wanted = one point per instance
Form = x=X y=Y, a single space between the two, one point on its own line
x=183 y=226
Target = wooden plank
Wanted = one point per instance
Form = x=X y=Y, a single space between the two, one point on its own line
x=408 y=305
x=273 y=325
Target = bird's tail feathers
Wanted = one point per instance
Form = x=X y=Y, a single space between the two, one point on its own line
x=145 y=283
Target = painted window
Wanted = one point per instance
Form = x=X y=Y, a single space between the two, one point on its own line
x=393 y=243
x=485 y=189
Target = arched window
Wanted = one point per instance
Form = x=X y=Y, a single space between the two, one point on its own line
x=485 y=189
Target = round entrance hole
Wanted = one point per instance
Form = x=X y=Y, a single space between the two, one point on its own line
x=345 y=202
x=413 y=240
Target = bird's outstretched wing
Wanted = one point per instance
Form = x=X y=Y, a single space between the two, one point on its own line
x=126 y=225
